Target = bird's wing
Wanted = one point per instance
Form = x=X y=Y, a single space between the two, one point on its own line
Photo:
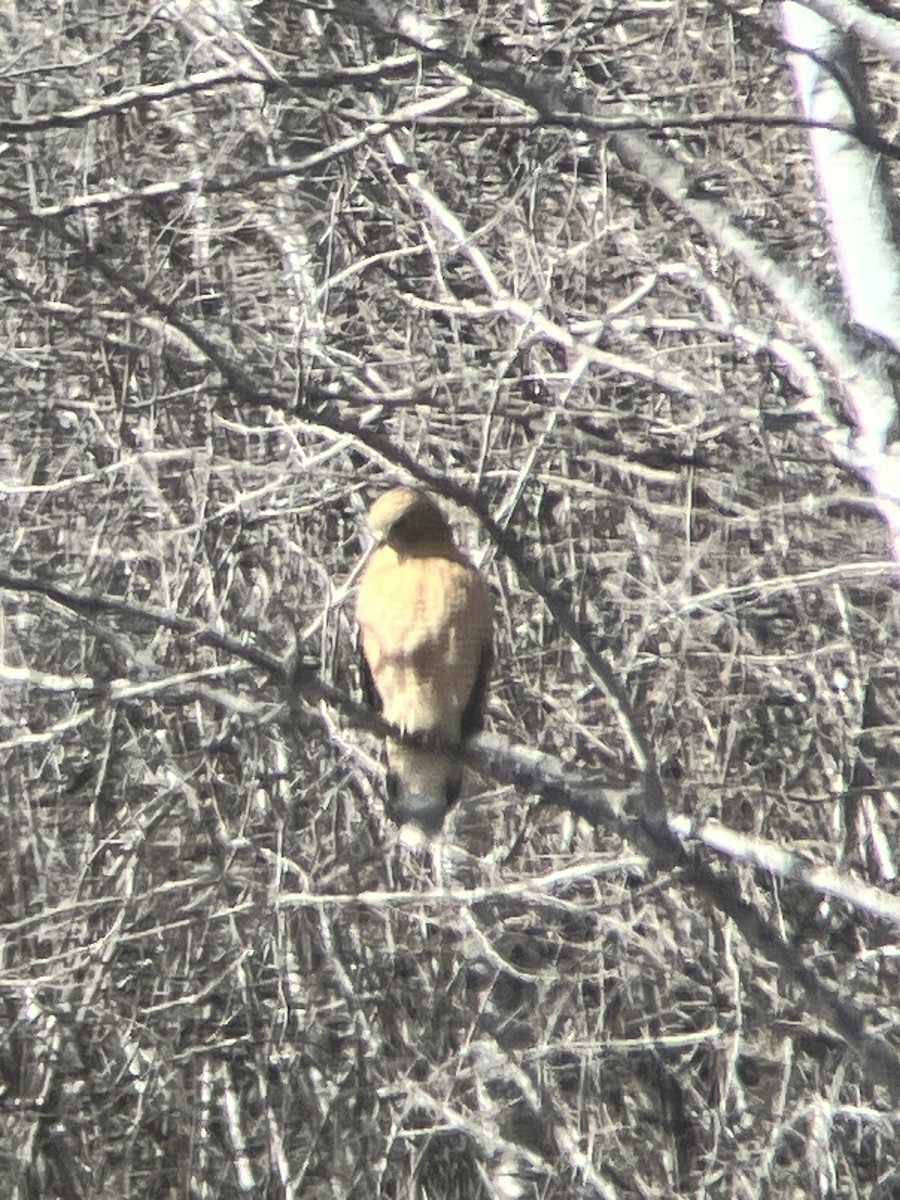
x=472 y=719
x=367 y=679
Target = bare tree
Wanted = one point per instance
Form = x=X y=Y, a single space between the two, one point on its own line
x=570 y=268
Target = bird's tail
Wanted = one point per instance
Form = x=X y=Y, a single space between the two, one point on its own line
x=421 y=785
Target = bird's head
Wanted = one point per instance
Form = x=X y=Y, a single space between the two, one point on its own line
x=405 y=518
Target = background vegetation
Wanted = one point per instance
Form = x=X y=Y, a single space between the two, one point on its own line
x=259 y=264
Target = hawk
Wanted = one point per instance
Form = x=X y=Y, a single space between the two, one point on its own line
x=426 y=632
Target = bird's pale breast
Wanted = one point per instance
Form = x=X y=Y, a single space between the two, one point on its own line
x=426 y=621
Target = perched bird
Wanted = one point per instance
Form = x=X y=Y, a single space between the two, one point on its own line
x=426 y=630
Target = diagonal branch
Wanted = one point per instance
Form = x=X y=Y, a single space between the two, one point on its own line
x=622 y=811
